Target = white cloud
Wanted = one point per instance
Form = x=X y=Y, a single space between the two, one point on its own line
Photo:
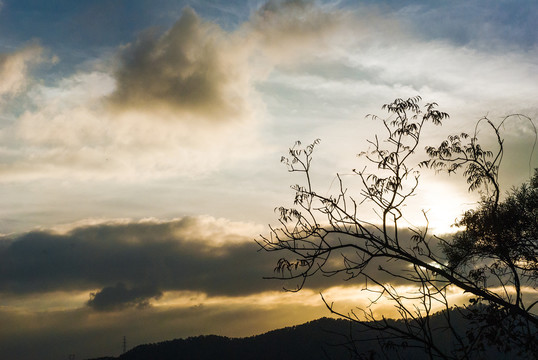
x=14 y=68
x=71 y=133
x=177 y=103
x=147 y=118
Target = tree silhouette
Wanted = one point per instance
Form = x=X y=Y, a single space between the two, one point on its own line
x=492 y=258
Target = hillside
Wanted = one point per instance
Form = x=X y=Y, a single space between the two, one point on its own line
x=320 y=339
x=306 y=341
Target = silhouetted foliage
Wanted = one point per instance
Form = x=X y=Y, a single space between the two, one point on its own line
x=499 y=246
x=492 y=258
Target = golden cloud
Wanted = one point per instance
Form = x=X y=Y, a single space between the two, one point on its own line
x=14 y=68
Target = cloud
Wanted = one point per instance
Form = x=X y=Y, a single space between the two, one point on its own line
x=191 y=70
x=295 y=28
x=69 y=132
x=175 y=103
x=14 y=68
x=478 y=23
x=195 y=254
x=127 y=264
x=119 y=297
x=199 y=72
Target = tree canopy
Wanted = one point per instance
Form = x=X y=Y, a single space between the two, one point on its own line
x=493 y=257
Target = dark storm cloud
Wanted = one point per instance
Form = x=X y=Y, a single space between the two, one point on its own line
x=119 y=297
x=176 y=255
x=134 y=263
x=190 y=69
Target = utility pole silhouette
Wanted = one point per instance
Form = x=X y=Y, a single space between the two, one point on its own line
x=124 y=345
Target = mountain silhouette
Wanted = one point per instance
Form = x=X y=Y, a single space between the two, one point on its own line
x=324 y=338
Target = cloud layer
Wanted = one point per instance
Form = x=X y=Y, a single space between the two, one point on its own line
x=133 y=262
x=175 y=102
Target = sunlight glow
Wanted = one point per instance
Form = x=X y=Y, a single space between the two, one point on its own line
x=443 y=204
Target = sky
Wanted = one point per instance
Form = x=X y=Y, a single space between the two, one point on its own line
x=140 y=146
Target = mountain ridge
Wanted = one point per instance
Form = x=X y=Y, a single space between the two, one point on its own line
x=323 y=338
x=320 y=336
